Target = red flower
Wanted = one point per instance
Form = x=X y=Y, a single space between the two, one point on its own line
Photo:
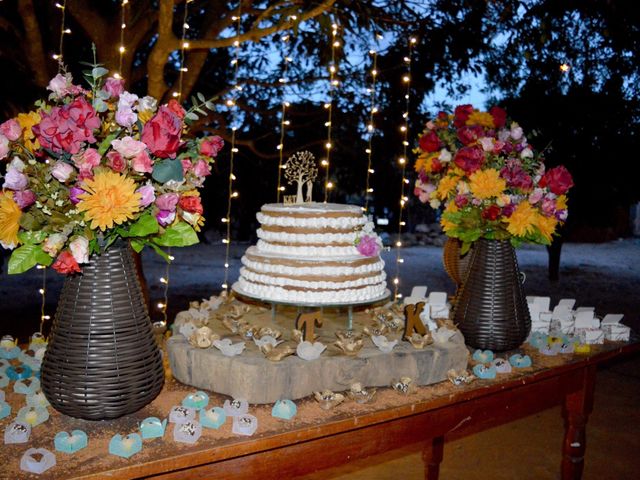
x=211 y=146
x=461 y=114
x=190 y=203
x=499 y=116
x=491 y=213
x=468 y=135
x=443 y=115
x=469 y=159
x=558 y=179
x=436 y=165
x=116 y=162
x=515 y=175
x=176 y=108
x=429 y=142
x=66 y=264
x=162 y=133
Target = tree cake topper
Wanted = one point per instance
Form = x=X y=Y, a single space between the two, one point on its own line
x=301 y=168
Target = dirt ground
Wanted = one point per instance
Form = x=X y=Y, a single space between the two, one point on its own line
x=606 y=276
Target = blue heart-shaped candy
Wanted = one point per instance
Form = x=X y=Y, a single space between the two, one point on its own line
x=483 y=372
x=125 y=446
x=153 y=427
x=520 y=361
x=33 y=416
x=483 y=356
x=212 y=417
x=70 y=443
x=284 y=409
x=196 y=400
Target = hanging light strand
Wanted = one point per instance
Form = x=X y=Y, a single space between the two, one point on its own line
x=283 y=114
x=123 y=26
x=333 y=84
x=165 y=291
x=184 y=45
x=404 y=129
x=231 y=103
x=43 y=294
x=63 y=31
x=368 y=190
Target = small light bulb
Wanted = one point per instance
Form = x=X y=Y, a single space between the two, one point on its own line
x=122 y=49
x=324 y=163
x=282 y=189
x=225 y=286
x=371 y=170
x=329 y=185
x=401 y=161
x=223 y=220
x=185 y=45
x=327 y=145
x=41 y=291
x=235 y=194
x=225 y=240
x=172 y=258
x=160 y=305
x=396 y=281
x=405 y=78
x=398 y=243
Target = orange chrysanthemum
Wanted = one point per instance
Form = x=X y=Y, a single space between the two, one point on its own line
x=9 y=220
x=26 y=121
x=546 y=225
x=446 y=224
x=110 y=199
x=561 y=202
x=486 y=184
x=522 y=220
x=446 y=186
x=484 y=119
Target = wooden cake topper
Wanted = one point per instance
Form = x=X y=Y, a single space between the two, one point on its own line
x=301 y=168
x=306 y=323
x=412 y=322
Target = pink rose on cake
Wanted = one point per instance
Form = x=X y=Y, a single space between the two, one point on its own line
x=368 y=246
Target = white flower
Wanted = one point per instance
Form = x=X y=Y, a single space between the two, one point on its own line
x=53 y=244
x=526 y=153
x=435 y=203
x=445 y=155
x=487 y=143
x=80 y=249
x=16 y=164
x=147 y=104
x=516 y=131
x=463 y=188
x=503 y=135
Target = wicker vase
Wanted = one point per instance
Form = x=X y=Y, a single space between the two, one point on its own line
x=102 y=361
x=491 y=309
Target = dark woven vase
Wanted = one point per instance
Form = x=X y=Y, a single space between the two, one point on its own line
x=491 y=309
x=102 y=361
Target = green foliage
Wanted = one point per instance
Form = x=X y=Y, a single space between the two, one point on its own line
x=27 y=256
x=179 y=235
x=168 y=169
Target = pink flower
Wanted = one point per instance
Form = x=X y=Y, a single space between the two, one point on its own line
x=469 y=159
x=186 y=165
x=162 y=133
x=61 y=85
x=142 y=163
x=15 y=180
x=11 y=129
x=61 y=171
x=211 y=146
x=368 y=246
x=113 y=86
x=80 y=249
x=515 y=176
x=487 y=143
x=86 y=160
x=558 y=180
x=147 y=195
x=165 y=217
x=125 y=116
x=167 y=201
x=202 y=168
x=65 y=128
x=4 y=147
x=66 y=264
x=548 y=206
x=24 y=199
x=536 y=196
x=73 y=194
x=423 y=190
x=116 y=162
x=461 y=201
x=128 y=147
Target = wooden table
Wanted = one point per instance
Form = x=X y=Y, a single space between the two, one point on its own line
x=434 y=414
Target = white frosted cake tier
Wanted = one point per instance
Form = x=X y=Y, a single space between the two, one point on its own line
x=306 y=253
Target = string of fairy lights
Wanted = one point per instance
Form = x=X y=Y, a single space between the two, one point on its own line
x=231 y=103
x=284 y=122
x=121 y=47
x=63 y=31
x=333 y=85
x=371 y=127
x=402 y=161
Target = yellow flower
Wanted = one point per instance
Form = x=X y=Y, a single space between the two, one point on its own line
x=522 y=220
x=26 y=121
x=446 y=186
x=546 y=225
x=110 y=199
x=486 y=183
x=484 y=119
x=420 y=162
x=9 y=220
x=561 y=202
x=145 y=115
x=446 y=224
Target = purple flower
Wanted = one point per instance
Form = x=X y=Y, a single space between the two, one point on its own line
x=165 y=217
x=4 y=147
x=24 y=198
x=147 y=195
x=561 y=215
x=113 y=86
x=73 y=194
x=368 y=246
x=15 y=180
x=168 y=201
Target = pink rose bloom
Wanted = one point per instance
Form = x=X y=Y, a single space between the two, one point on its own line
x=202 y=168
x=162 y=133
x=24 y=199
x=73 y=194
x=423 y=190
x=87 y=160
x=61 y=171
x=53 y=243
x=11 y=129
x=15 y=180
x=125 y=116
x=127 y=99
x=167 y=201
x=128 y=147
x=368 y=246
x=85 y=175
x=113 y=86
x=147 y=195
x=516 y=131
x=116 y=162
x=80 y=249
x=548 y=206
x=186 y=165
x=487 y=143
x=461 y=201
x=165 y=217
x=60 y=85
x=536 y=196
x=210 y=146
x=142 y=163
x=4 y=147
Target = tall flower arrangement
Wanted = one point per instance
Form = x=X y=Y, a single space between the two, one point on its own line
x=489 y=180
x=91 y=165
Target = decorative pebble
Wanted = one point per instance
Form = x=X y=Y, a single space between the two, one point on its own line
x=520 y=361
x=236 y=407
x=213 y=417
x=30 y=464
x=153 y=427
x=70 y=443
x=483 y=356
x=188 y=432
x=284 y=409
x=196 y=400
x=17 y=432
x=245 y=425
x=180 y=414
x=486 y=373
x=125 y=446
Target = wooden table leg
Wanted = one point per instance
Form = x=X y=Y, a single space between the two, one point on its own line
x=432 y=457
x=577 y=407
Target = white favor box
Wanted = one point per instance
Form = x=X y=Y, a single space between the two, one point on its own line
x=592 y=336
x=585 y=319
x=418 y=294
x=617 y=333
